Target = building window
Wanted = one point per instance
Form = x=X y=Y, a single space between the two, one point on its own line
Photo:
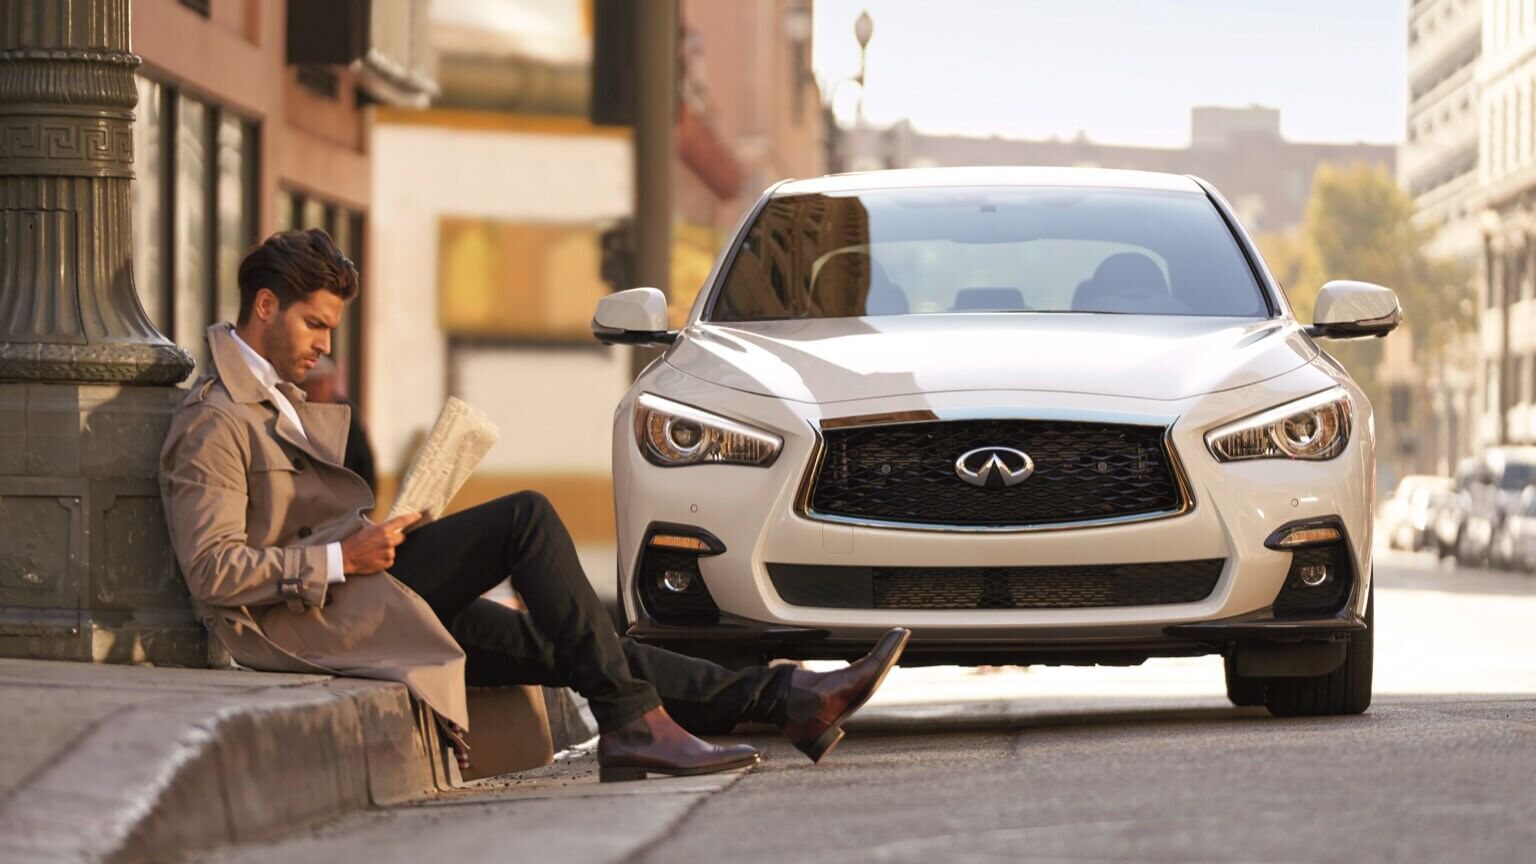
x=192 y=187
x=150 y=210
x=194 y=211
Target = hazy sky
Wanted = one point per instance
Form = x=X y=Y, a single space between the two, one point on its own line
x=1123 y=71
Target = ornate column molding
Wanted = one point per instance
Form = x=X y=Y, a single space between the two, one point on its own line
x=68 y=308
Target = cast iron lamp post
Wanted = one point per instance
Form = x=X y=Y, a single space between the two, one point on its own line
x=86 y=381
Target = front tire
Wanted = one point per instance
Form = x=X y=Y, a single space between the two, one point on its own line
x=1242 y=692
x=1345 y=690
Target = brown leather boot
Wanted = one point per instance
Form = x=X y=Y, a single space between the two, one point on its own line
x=654 y=744
x=820 y=702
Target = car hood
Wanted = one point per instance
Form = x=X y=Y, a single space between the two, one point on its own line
x=841 y=359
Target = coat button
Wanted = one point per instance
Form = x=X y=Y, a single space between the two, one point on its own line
x=298 y=463
x=304 y=532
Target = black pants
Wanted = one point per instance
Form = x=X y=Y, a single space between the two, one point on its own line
x=566 y=637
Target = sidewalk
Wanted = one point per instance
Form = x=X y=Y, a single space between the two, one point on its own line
x=127 y=763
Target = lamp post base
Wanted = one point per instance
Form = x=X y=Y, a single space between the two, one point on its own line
x=86 y=572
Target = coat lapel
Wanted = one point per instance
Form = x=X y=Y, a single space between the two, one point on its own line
x=324 y=436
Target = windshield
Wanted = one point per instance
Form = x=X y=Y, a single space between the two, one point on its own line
x=993 y=249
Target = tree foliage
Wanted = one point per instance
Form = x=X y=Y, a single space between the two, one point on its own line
x=1359 y=225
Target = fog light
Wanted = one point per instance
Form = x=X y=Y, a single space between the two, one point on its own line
x=676 y=581
x=677 y=541
x=1305 y=536
x=1312 y=575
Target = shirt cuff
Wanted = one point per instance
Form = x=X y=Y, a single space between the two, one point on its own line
x=333 y=565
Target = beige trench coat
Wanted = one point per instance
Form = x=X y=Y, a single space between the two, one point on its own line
x=251 y=505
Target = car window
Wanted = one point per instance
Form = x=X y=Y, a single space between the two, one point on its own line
x=1009 y=249
x=1517 y=476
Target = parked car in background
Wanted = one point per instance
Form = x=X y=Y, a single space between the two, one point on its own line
x=1520 y=529
x=1450 y=509
x=1405 y=515
x=1493 y=492
x=1447 y=510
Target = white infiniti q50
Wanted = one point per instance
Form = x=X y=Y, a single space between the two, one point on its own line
x=1054 y=416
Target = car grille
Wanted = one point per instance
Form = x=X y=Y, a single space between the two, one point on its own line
x=905 y=473
x=1067 y=587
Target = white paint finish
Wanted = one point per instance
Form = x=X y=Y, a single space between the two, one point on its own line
x=1101 y=178
x=422 y=173
x=638 y=310
x=554 y=406
x=1237 y=506
x=1345 y=302
x=838 y=359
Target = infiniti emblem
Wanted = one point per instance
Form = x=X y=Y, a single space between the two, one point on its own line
x=994 y=467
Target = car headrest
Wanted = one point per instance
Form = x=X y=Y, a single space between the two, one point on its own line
x=1120 y=277
x=988 y=299
x=845 y=275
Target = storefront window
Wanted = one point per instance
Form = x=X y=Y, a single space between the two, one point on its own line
x=194 y=211
x=149 y=222
x=236 y=211
x=193 y=310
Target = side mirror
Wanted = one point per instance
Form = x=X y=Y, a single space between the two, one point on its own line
x=1354 y=310
x=634 y=317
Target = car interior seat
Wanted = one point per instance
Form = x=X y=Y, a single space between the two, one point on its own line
x=838 y=282
x=1124 y=282
x=988 y=299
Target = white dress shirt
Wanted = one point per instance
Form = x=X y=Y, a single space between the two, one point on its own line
x=268 y=377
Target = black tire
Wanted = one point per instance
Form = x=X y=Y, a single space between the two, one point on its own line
x=1243 y=692
x=1345 y=690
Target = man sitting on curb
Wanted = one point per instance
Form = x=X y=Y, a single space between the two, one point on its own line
x=290 y=575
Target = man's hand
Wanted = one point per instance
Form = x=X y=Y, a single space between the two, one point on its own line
x=372 y=550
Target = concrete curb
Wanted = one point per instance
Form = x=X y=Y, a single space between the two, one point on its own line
x=153 y=781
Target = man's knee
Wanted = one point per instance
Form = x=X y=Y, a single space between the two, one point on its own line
x=528 y=501
x=530 y=508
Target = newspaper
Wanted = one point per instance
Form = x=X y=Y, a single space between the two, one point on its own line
x=458 y=441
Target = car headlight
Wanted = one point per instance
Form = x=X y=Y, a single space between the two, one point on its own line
x=672 y=434
x=1316 y=427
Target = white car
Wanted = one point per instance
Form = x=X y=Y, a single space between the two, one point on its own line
x=1053 y=416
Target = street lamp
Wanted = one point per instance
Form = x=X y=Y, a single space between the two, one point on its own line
x=863 y=30
x=797 y=29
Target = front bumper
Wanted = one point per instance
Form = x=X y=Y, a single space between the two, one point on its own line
x=746 y=641
x=756 y=513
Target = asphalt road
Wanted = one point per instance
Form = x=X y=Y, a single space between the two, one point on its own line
x=1142 y=764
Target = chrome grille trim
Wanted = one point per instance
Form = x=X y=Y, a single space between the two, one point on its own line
x=818 y=454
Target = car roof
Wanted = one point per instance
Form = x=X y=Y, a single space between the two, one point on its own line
x=905 y=178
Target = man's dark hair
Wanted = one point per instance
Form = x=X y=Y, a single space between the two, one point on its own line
x=292 y=265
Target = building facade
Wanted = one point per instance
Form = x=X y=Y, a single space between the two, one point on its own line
x=1266 y=177
x=1506 y=230
x=1440 y=165
x=253 y=117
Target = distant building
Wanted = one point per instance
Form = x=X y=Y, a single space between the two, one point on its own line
x=1506 y=87
x=1240 y=150
x=1439 y=167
